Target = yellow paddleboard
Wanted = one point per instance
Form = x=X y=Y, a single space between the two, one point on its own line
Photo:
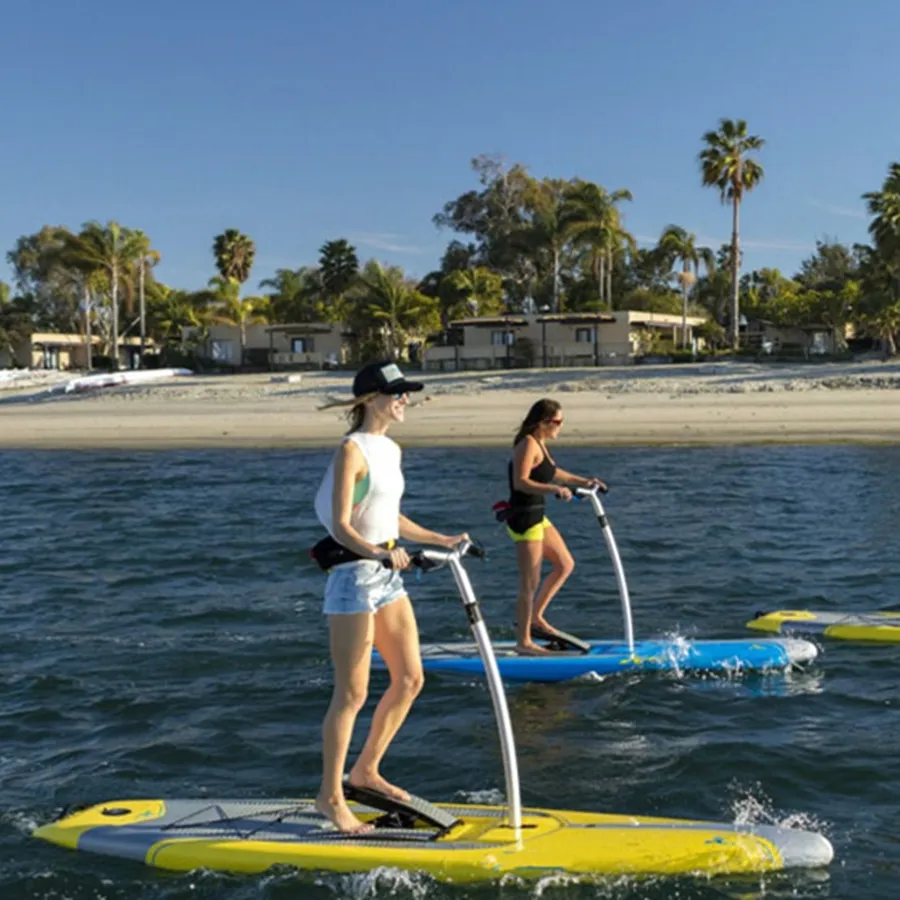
x=883 y=627
x=450 y=842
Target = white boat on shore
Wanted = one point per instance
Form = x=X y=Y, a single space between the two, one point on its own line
x=117 y=379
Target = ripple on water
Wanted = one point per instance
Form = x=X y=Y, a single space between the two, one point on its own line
x=162 y=636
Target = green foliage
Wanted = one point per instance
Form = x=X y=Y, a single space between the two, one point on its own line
x=169 y=310
x=15 y=319
x=386 y=308
x=652 y=301
x=298 y=295
x=522 y=243
x=470 y=292
x=884 y=207
x=712 y=333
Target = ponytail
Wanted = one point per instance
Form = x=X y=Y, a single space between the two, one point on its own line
x=356 y=414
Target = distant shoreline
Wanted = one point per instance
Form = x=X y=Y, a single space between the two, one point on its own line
x=637 y=406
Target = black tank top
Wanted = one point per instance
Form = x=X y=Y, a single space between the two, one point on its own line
x=528 y=509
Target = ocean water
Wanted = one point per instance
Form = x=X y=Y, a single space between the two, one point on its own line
x=161 y=635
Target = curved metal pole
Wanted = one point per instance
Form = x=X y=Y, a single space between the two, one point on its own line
x=593 y=495
x=495 y=682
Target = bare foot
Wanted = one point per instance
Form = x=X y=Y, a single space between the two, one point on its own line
x=375 y=782
x=543 y=623
x=339 y=814
x=531 y=649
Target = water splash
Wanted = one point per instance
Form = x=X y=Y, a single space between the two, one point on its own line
x=21 y=820
x=378 y=883
x=751 y=806
x=589 y=678
x=486 y=797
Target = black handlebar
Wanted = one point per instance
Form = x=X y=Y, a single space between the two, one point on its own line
x=420 y=560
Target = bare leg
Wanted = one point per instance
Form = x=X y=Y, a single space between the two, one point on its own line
x=528 y=556
x=397 y=640
x=557 y=554
x=351 y=655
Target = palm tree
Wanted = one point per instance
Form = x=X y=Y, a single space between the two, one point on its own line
x=726 y=165
x=678 y=245
x=170 y=310
x=234 y=254
x=110 y=249
x=388 y=298
x=592 y=219
x=880 y=300
x=296 y=295
x=884 y=205
x=477 y=291
x=146 y=256
x=225 y=306
x=339 y=267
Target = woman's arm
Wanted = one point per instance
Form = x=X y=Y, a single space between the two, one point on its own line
x=576 y=480
x=525 y=458
x=349 y=468
x=411 y=531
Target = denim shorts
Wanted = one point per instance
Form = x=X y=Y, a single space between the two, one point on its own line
x=361 y=587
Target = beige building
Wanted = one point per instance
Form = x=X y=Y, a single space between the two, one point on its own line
x=50 y=350
x=305 y=345
x=559 y=339
x=795 y=340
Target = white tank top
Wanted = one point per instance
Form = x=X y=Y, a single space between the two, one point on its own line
x=376 y=499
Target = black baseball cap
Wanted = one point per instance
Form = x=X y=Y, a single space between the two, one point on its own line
x=383 y=378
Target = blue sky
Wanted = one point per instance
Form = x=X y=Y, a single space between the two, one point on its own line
x=299 y=121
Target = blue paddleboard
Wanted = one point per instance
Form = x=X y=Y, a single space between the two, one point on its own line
x=613 y=658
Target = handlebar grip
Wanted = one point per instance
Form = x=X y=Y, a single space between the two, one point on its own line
x=420 y=560
x=415 y=559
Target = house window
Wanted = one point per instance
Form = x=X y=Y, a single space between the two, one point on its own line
x=302 y=345
x=221 y=351
x=501 y=338
x=584 y=335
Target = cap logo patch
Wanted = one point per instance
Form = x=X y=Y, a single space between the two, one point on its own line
x=391 y=373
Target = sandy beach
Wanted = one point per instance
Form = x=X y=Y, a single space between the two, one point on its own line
x=737 y=403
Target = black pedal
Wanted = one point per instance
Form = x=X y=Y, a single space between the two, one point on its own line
x=559 y=640
x=401 y=813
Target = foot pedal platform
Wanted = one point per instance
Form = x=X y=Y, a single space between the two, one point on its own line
x=559 y=640
x=401 y=813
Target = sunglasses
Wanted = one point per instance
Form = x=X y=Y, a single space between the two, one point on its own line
x=399 y=395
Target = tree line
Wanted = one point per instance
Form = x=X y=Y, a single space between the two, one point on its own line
x=519 y=244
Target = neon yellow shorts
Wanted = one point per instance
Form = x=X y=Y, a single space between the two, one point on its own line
x=535 y=533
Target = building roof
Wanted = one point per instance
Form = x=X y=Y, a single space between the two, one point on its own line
x=491 y=321
x=577 y=318
x=303 y=328
x=60 y=339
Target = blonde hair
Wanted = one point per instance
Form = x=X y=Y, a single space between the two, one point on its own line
x=356 y=413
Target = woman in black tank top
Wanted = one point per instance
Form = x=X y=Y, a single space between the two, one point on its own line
x=532 y=476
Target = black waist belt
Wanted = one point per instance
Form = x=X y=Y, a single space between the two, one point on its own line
x=328 y=553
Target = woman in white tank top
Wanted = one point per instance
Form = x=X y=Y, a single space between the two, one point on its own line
x=358 y=502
